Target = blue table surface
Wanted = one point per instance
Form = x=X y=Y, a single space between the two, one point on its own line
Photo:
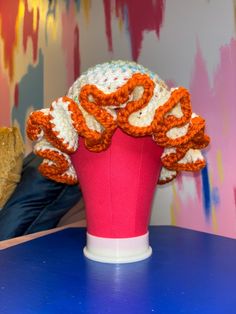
x=189 y=272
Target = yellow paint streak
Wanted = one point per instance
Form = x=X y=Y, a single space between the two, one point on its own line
x=46 y=19
x=35 y=6
x=42 y=7
x=21 y=11
x=214 y=220
x=172 y=215
x=220 y=166
x=35 y=11
x=120 y=23
x=176 y=198
x=52 y=28
x=86 y=5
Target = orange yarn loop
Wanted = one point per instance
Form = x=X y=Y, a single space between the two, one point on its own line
x=55 y=170
x=97 y=142
x=193 y=139
x=162 y=182
x=37 y=123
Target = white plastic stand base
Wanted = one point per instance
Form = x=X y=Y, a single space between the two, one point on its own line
x=121 y=250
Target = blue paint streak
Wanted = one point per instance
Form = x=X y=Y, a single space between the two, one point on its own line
x=206 y=192
x=126 y=24
x=215 y=196
x=126 y=18
x=30 y=93
x=77 y=3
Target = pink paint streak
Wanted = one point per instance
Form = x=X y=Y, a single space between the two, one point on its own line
x=142 y=16
x=235 y=197
x=70 y=43
x=179 y=180
x=107 y=8
x=29 y=32
x=216 y=104
x=76 y=53
x=198 y=182
x=171 y=83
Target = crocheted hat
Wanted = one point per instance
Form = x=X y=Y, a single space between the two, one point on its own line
x=123 y=95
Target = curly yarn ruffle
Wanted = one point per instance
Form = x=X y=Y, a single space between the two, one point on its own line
x=121 y=95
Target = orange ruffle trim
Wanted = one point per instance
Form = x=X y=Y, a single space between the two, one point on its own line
x=163 y=121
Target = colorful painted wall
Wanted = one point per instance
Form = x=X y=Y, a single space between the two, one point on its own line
x=44 y=45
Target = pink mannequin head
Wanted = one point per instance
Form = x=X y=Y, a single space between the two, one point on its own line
x=118 y=185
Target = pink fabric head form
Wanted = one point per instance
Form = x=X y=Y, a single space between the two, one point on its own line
x=118 y=185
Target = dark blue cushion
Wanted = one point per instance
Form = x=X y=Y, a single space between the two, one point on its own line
x=37 y=203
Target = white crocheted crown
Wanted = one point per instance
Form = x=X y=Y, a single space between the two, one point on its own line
x=109 y=77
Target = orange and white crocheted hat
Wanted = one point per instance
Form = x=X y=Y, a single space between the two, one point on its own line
x=123 y=95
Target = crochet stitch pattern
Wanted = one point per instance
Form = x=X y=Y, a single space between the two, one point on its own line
x=123 y=95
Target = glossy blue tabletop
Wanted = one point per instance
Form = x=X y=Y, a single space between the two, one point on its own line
x=189 y=272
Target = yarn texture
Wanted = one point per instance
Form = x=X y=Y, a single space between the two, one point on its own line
x=123 y=95
x=11 y=161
